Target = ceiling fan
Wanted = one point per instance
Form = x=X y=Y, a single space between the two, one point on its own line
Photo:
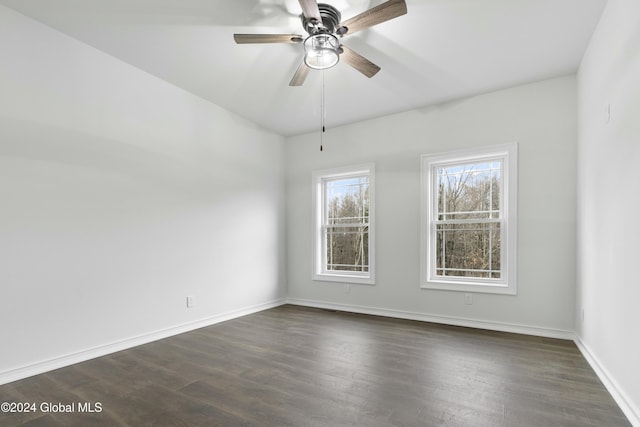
x=323 y=24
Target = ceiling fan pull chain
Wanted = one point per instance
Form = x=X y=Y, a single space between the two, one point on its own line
x=322 y=118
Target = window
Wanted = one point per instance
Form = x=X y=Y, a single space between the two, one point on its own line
x=468 y=239
x=344 y=224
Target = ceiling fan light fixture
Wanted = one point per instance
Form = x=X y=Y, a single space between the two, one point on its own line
x=322 y=51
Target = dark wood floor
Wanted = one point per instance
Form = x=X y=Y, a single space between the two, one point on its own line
x=294 y=366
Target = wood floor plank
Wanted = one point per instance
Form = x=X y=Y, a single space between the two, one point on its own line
x=296 y=366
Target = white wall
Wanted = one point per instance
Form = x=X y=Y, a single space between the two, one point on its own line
x=540 y=116
x=609 y=199
x=120 y=195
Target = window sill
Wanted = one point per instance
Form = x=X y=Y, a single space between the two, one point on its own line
x=474 y=287
x=344 y=278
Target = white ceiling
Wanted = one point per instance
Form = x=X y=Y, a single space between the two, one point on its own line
x=441 y=50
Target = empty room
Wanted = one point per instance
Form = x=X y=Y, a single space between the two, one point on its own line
x=298 y=213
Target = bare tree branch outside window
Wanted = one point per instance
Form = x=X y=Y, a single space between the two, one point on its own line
x=347 y=227
x=468 y=235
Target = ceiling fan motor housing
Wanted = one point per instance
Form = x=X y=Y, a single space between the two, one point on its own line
x=330 y=19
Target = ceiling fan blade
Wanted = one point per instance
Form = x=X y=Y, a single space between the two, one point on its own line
x=359 y=62
x=310 y=9
x=384 y=12
x=267 y=38
x=300 y=75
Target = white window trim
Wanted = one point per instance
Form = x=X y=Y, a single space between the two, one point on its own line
x=318 y=255
x=505 y=285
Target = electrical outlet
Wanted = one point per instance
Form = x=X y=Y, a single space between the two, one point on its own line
x=190 y=301
x=468 y=299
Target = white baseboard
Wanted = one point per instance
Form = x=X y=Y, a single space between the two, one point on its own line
x=631 y=411
x=103 y=350
x=447 y=320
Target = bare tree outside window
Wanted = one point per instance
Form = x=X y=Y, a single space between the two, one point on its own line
x=468 y=234
x=347 y=224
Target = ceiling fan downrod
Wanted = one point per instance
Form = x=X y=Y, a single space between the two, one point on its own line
x=330 y=18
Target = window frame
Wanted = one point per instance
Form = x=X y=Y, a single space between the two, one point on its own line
x=507 y=284
x=320 y=177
